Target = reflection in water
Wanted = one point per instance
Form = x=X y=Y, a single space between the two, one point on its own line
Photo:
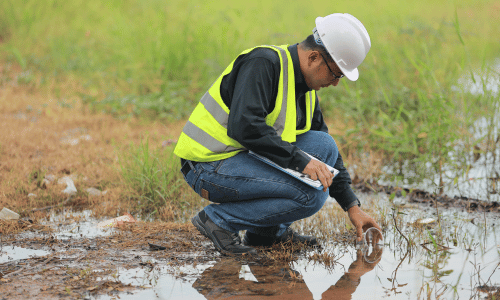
x=228 y=278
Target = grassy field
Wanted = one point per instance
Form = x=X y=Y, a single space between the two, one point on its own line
x=153 y=60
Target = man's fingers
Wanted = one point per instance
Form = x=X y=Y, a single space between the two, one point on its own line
x=317 y=170
x=324 y=181
x=325 y=176
x=359 y=233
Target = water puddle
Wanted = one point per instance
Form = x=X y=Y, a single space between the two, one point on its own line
x=71 y=225
x=12 y=253
x=162 y=282
x=453 y=255
x=457 y=267
x=390 y=274
x=479 y=83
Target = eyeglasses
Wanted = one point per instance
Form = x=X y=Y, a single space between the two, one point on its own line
x=335 y=77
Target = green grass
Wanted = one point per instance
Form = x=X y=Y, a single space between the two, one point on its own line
x=155 y=59
x=154 y=180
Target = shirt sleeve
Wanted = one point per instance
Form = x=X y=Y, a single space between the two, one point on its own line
x=252 y=101
x=341 y=189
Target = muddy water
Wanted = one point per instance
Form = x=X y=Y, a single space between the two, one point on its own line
x=443 y=275
x=70 y=225
x=454 y=268
x=464 y=258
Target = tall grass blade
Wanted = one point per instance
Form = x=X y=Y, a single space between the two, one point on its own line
x=457 y=27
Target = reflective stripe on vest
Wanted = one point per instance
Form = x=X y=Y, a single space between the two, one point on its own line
x=222 y=116
x=204 y=138
x=311 y=100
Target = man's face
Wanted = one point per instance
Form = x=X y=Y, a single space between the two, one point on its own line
x=321 y=73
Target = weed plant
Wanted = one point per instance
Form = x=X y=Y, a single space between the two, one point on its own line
x=155 y=182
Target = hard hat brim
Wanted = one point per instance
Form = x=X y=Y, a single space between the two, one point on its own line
x=351 y=75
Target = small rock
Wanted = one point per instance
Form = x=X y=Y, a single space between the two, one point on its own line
x=50 y=178
x=31 y=195
x=95 y=192
x=70 y=185
x=126 y=218
x=75 y=141
x=426 y=221
x=7 y=214
x=63 y=180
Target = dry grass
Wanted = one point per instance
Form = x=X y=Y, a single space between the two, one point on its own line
x=43 y=136
x=10 y=227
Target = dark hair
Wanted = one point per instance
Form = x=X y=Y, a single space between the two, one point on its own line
x=310 y=44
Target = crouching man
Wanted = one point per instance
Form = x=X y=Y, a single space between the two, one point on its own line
x=266 y=101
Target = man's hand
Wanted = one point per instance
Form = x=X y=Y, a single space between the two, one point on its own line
x=362 y=221
x=317 y=170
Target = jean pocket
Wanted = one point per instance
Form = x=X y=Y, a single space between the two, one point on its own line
x=217 y=193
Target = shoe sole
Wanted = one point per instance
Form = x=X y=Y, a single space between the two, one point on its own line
x=201 y=228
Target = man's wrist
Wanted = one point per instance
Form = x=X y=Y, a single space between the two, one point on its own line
x=346 y=198
x=299 y=161
x=353 y=205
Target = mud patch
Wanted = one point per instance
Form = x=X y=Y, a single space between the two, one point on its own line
x=84 y=267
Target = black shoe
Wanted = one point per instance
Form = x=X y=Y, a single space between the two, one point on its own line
x=225 y=241
x=252 y=239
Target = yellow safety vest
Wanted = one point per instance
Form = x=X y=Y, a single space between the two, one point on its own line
x=204 y=137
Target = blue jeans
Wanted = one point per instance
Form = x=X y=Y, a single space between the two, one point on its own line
x=251 y=195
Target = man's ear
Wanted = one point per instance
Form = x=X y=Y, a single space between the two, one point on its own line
x=312 y=57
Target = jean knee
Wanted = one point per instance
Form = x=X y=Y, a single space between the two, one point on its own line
x=329 y=146
x=330 y=143
x=316 y=202
x=319 y=144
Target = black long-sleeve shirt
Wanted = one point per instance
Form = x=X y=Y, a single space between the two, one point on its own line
x=250 y=91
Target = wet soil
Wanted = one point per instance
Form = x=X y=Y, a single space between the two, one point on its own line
x=80 y=268
x=88 y=268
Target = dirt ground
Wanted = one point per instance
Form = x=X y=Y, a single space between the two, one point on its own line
x=42 y=135
x=83 y=268
x=80 y=268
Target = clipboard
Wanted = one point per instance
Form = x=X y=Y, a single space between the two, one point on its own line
x=300 y=176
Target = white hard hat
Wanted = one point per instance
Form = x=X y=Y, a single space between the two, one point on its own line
x=346 y=39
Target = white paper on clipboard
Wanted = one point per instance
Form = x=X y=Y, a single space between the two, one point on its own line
x=302 y=177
